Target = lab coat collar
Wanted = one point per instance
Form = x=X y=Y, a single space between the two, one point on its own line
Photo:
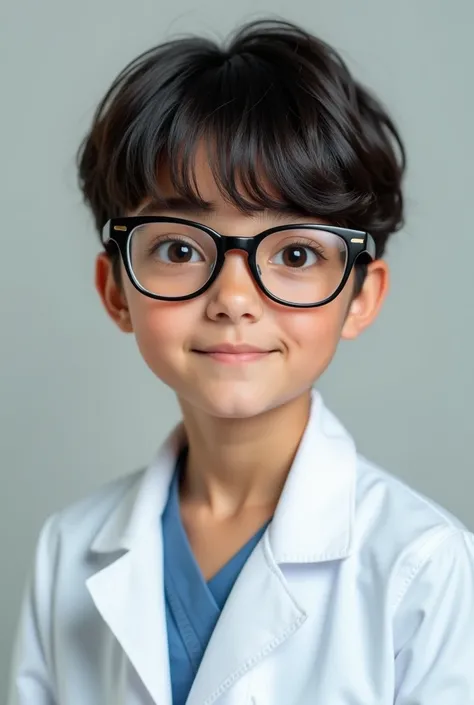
x=313 y=520
x=140 y=510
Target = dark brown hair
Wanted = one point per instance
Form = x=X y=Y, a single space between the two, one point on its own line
x=273 y=99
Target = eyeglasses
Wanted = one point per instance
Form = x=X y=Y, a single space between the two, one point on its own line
x=173 y=259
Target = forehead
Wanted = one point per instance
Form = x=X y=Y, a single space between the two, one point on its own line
x=201 y=174
x=204 y=193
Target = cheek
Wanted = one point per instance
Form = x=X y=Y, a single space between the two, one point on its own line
x=314 y=333
x=161 y=330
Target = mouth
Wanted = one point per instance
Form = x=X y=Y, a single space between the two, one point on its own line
x=234 y=355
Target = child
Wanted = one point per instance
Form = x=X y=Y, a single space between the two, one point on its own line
x=245 y=196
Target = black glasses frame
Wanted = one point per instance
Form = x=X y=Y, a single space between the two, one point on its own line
x=117 y=233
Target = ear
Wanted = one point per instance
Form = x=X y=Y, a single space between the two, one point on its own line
x=365 y=307
x=112 y=293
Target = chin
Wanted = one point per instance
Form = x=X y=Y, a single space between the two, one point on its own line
x=231 y=403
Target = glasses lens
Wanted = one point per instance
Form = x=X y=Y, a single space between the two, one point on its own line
x=170 y=259
x=301 y=265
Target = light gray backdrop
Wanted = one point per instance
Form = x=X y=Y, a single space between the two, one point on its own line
x=78 y=406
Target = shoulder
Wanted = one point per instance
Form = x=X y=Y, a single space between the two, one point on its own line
x=401 y=531
x=77 y=524
x=381 y=494
x=109 y=519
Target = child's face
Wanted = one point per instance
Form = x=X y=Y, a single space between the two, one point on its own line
x=300 y=342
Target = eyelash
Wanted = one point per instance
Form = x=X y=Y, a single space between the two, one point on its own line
x=164 y=239
x=304 y=243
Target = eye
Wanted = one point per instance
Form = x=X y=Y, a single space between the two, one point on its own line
x=297 y=256
x=177 y=252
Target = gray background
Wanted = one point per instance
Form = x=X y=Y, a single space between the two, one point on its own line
x=77 y=404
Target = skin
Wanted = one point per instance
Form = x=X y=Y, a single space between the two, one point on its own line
x=244 y=422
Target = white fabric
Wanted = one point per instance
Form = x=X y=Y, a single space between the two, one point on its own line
x=361 y=592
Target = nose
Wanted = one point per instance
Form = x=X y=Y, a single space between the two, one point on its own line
x=235 y=296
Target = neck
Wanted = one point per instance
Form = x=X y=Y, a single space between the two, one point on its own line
x=238 y=464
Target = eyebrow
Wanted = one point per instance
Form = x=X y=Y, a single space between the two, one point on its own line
x=176 y=203
x=185 y=206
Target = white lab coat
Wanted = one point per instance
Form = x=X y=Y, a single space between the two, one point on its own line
x=361 y=592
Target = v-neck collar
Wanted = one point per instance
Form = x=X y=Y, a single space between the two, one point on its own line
x=218 y=587
x=179 y=533
x=194 y=606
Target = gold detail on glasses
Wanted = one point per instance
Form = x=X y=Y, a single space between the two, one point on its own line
x=357 y=240
x=120 y=227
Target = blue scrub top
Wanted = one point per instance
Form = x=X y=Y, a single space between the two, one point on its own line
x=193 y=605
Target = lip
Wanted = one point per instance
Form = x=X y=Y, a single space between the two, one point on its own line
x=234 y=354
x=230 y=349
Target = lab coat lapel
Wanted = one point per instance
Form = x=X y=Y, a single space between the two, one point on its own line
x=259 y=615
x=128 y=592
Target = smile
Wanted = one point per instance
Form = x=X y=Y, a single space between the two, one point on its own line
x=236 y=358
